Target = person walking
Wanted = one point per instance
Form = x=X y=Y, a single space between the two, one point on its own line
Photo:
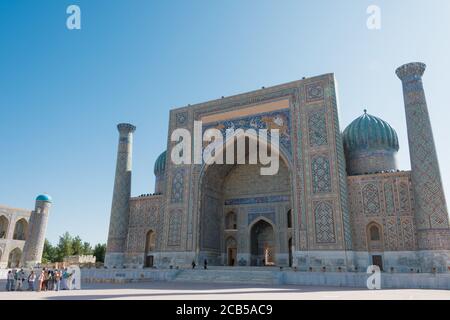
x=205 y=264
x=9 y=281
x=193 y=264
x=31 y=279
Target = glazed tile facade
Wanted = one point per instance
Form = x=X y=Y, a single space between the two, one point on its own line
x=323 y=209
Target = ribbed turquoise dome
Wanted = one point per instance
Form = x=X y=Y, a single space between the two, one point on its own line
x=160 y=164
x=369 y=133
x=44 y=197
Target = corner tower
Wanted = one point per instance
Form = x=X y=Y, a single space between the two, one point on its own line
x=430 y=206
x=118 y=225
x=34 y=246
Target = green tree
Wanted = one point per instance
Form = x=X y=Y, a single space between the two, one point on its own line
x=77 y=245
x=64 y=247
x=87 y=249
x=50 y=253
x=99 y=252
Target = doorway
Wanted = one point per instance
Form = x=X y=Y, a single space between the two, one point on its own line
x=262 y=244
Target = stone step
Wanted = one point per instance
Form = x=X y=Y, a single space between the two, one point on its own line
x=227 y=276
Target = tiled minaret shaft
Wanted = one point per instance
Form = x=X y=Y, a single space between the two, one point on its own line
x=34 y=246
x=118 y=225
x=430 y=207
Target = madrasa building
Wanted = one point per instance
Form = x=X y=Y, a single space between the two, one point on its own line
x=338 y=202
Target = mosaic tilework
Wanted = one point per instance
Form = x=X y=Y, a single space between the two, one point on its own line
x=317 y=128
x=118 y=226
x=314 y=92
x=403 y=195
x=211 y=223
x=397 y=226
x=177 y=186
x=174 y=236
x=430 y=206
x=371 y=199
x=270 y=120
x=389 y=198
x=321 y=177
x=254 y=200
x=181 y=118
x=324 y=222
x=252 y=216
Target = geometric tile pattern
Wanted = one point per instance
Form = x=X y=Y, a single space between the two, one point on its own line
x=324 y=222
x=371 y=199
x=317 y=126
x=279 y=120
x=174 y=237
x=181 y=118
x=389 y=199
x=403 y=195
x=321 y=177
x=177 y=186
x=430 y=206
x=314 y=92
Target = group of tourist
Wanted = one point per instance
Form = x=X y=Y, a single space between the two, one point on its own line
x=43 y=280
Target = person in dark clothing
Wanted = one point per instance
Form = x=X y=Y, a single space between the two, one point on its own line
x=205 y=264
x=193 y=264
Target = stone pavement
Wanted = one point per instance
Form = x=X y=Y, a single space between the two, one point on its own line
x=204 y=291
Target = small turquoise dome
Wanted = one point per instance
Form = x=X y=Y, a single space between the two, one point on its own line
x=369 y=133
x=160 y=164
x=44 y=197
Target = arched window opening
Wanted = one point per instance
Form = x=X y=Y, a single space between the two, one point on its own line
x=374 y=233
x=20 y=230
x=150 y=245
x=3 y=227
x=289 y=218
x=230 y=221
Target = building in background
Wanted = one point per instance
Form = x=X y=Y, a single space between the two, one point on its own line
x=338 y=202
x=22 y=234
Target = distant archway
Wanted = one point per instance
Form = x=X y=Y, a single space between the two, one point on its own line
x=262 y=244
x=290 y=251
x=375 y=244
x=150 y=244
x=14 y=258
x=230 y=221
x=289 y=218
x=4 y=222
x=20 y=230
x=231 y=246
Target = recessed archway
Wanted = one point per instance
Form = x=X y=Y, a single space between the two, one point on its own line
x=262 y=244
x=222 y=186
x=14 y=258
x=4 y=222
x=150 y=244
x=20 y=230
x=231 y=246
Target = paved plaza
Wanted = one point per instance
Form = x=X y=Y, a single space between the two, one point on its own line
x=202 y=291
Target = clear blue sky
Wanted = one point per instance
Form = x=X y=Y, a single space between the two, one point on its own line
x=63 y=92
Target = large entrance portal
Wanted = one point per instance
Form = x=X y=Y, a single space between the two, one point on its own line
x=240 y=211
x=262 y=244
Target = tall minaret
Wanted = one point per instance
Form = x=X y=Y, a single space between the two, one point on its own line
x=431 y=213
x=118 y=224
x=34 y=244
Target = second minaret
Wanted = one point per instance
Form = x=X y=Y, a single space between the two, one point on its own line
x=118 y=225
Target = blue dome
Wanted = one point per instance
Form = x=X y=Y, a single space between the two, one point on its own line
x=44 y=197
x=160 y=164
x=369 y=133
